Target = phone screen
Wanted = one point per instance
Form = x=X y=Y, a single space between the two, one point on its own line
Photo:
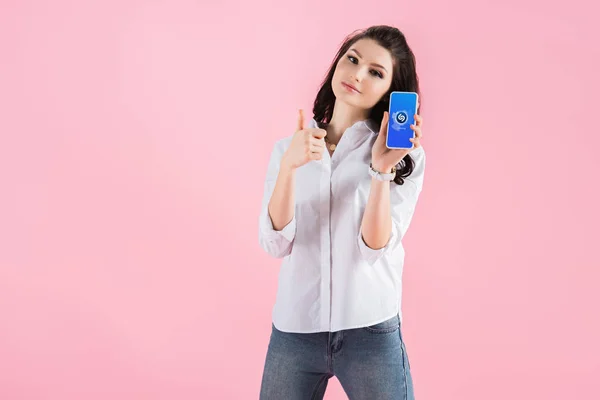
x=403 y=107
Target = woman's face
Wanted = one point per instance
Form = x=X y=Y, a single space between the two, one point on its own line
x=363 y=75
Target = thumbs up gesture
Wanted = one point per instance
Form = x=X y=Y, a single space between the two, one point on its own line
x=307 y=145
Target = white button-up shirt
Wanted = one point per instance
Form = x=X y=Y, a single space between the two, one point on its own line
x=329 y=278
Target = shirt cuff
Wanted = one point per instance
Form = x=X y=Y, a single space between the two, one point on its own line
x=373 y=255
x=269 y=232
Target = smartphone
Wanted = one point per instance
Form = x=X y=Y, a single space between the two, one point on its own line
x=403 y=107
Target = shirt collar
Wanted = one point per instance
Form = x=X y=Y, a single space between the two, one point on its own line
x=363 y=127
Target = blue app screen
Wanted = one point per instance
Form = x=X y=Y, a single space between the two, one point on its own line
x=403 y=107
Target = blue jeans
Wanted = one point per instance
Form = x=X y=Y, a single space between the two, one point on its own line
x=370 y=363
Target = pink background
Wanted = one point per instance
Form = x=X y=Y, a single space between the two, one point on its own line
x=134 y=141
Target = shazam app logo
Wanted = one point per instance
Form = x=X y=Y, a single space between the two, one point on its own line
x=399 y=118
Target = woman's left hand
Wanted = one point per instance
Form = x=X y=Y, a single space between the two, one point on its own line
x=385 y=159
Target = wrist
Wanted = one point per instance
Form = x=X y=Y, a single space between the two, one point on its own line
x=387 y=176
x=286 y=167
x=382 y=168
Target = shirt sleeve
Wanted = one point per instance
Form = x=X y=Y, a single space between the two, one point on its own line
x=276 y=243
x=403 y=200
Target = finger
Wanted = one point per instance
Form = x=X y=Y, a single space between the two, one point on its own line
x=416 y=143
x=300 y=120
x=418 y=120
x=317 y=142
x=316 y=156
x=319 y=133
x=417 y=130
x=315 y=148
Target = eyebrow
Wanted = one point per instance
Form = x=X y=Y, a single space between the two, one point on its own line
x=376 y=65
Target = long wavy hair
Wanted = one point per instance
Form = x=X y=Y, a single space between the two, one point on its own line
x=404 y=78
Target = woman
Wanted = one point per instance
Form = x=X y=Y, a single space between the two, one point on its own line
x=337 y=203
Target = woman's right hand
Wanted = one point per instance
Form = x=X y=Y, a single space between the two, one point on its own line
x=307 y=145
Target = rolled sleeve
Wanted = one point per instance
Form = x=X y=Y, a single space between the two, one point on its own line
x=370 y=255
x=268 y=232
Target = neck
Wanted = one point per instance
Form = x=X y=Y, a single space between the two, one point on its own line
x=344 y=116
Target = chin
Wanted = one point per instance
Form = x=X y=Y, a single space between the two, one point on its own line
x=345 y=97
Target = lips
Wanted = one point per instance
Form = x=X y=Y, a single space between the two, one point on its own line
x=350 y=87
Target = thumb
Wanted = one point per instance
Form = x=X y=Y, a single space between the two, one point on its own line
x=384 y=124
x=300 y=119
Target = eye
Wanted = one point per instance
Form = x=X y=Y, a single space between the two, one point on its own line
x=373 y=72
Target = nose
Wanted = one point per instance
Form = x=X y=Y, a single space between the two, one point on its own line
x=360 y=74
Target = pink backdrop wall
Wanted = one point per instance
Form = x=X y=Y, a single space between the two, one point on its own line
x=134 y=141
